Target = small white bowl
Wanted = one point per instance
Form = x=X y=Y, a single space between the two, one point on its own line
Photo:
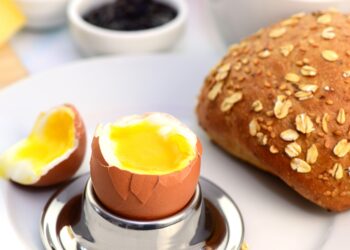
x=43 y=14
x=93 y=40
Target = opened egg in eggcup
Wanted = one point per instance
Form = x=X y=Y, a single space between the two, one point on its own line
x=145 y=167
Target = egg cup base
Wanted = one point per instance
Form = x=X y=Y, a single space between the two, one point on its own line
x=74 y=219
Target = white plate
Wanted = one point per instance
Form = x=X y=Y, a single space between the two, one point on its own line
x=103 y=89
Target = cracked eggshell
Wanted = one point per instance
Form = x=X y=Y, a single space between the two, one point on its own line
x=68 y=167
x=143 y=197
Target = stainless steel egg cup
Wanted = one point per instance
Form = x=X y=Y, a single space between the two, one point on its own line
x=75 y=219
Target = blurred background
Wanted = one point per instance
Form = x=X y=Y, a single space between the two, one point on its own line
x=36 y=35
x=39 y=35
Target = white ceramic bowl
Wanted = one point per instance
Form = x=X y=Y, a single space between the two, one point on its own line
x=43 y=14
x=237 y=19
x=93 y=40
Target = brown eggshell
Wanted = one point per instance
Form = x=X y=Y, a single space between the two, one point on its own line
x=68 y=167
x=142 y=197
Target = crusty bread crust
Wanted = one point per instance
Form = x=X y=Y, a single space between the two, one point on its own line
x=292 y=77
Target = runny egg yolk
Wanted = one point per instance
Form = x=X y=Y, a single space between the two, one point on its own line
x=142 y=148
x=52 y=136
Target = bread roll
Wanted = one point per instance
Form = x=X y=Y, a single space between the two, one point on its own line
x=280 y=100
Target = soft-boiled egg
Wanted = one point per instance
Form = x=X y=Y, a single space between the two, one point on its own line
x=145 y=166
x=52 y=153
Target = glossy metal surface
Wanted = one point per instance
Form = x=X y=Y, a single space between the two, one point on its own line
x=72 y=220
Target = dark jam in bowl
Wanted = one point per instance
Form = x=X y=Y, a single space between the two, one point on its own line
x=131 y=15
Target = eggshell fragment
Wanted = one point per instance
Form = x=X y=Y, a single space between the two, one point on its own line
x=62 y=168
x=141 y=196
x=68 y=167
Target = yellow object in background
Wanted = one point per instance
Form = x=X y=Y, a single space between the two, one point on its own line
x=11 y=20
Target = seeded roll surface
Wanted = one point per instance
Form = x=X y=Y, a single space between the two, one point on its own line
x=280 y=100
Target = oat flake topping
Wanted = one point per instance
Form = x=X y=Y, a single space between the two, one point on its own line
x=304 y=124
x=282 y=106
x=230 y=101
x=337 y=171
x=312 y=154
x=278 y=32
x=329 y=55
x=254 y=127
x=286 y=49
x=293 y=149
x=257 y=106
x=215 y=90
x=289 y=135
x=342 y=148
x=324 y=19
x=300 y=165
